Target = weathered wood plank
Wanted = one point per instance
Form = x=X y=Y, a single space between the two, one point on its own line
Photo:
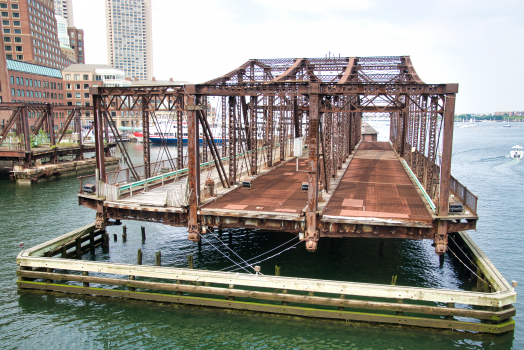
x=302 y=299
x=498 y=299
x=278 y=309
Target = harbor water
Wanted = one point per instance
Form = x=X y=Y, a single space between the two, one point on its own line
x=37 y=213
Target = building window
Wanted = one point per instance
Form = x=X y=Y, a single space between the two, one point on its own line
x=86 y=77
x=7 y=39
x=16 y=23
x=17 y=92
x=12 y=79
x=18 y=48
x=16 y=15
x=86 y=86
x=5 y=14
x=77 y=76
x=77 y=95
x=12 y=92
x=7 y=31
x=8 y=48
x=3 y=6
x=69 y=95
x=18 y=39
x=17 y=81
x=14 y=6
x=86 y=95
x=77 y=86
x=18 y=31
x=68 y=77
x=19 y=57
x=5 y=23
x=68 y=86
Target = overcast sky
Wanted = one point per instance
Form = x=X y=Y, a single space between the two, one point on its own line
x=476 y=43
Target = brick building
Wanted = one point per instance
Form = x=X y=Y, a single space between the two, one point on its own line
x=32 y=83
x=29 y=31
x=78 y=78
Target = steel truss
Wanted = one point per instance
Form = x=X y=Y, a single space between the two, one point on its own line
x=269 y=99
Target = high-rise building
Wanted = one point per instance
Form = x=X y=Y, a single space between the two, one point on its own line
x=29 y=31
x=129 y=37
x=64 y=9
x=76 y=43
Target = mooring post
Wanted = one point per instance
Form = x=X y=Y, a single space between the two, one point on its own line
x=49 y=280
x=190 y=261
x=105 y=241
x=85 y=273
x=64 y=252
x=158 y=257
x=277 y=270
x=124 y=233
x=78 y=248
x=143 y=233
x=139 y=257
x=441 y=261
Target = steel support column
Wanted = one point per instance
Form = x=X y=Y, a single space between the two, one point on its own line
x=193 y=166
x=99 y=139
x=312 y=235
x=232 y=142
x=145 y=132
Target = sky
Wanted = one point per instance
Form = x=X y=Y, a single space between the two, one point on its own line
x=475 y=43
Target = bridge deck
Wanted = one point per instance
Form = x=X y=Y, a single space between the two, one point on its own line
x=279 y=191
x=375 y=185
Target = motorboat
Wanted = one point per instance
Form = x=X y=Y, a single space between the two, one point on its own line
x=517 y=153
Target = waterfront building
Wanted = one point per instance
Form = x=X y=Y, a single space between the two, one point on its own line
x=29 y=33
x=78 y=78
x=32 y=83
x=129 y=37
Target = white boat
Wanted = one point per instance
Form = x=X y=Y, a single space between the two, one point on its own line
x=507 y=126
x=517 y=153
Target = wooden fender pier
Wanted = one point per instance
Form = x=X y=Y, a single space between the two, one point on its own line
x=57 y=266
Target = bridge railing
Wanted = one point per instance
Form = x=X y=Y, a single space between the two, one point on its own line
x=465 y=195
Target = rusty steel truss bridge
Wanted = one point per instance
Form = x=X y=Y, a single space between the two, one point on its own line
x=340 y=187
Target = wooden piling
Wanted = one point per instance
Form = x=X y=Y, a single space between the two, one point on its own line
x=179 y=293
x=49 y=280
x=450 y=305
x=139 y=257
x=231 y=286
x=399 y=301
x=124 y=233
x=85 y=273
x=285 y=303
x=92 y=242
x=143 y=233
x=64 y=252
x=79 y=248
x=158 y=257
x=190 y=261
x=277 y=270
x=132 y=289
x=341 y=308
